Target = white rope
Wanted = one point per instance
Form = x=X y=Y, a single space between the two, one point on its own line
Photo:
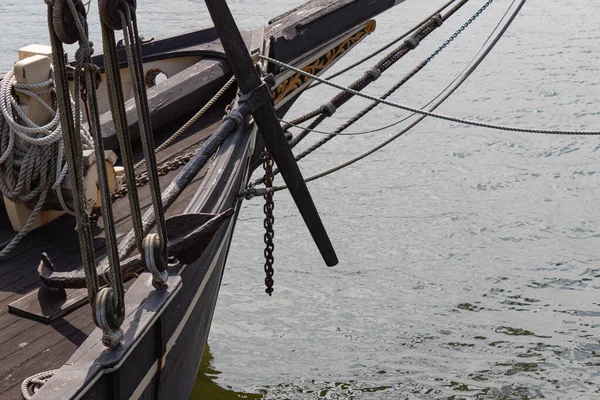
x=35 y=382
x=428 y=113
x=31 y=156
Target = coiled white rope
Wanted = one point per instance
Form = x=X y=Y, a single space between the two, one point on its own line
x=34 y=383
x=31 y=156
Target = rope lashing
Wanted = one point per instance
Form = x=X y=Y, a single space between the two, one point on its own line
x=107 y=303
x=393 y=89
x=413 y=42
x=328 y=109
x=374 y=73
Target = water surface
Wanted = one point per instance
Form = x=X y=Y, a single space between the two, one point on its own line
x=469 y=262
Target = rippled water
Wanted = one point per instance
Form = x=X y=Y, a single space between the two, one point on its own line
x=469 y=258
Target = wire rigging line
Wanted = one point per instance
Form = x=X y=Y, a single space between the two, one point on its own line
x=372 y=74
x=458 y=82
x=429 y=113
x=369 y=77
x=382 y=49
x=291 y=124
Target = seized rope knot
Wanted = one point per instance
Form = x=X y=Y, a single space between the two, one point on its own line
x=437 y=20
x=374 y=73
x=84 y=52
x=328 y=109
x=91 y=67
x=412 y=42
x=236 y=116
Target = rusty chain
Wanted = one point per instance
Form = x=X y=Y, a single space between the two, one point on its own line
x=163 y=169
x=269 y=220
x=166 y=167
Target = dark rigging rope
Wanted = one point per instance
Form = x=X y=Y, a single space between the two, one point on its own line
x=372 y=74
x=369 y=76
x=394 y=88
x=458 y=83
x=382 y=49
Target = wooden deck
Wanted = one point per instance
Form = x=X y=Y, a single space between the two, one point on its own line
x=28 y=347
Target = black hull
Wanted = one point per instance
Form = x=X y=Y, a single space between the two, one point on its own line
x=165 y=334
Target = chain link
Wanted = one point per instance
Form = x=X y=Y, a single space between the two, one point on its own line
x=163 y=169
x=268 y=223
x=460 y=30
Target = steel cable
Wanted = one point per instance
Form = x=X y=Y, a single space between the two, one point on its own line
x=456 y=85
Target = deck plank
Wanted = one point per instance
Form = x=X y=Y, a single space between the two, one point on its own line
x=28 y=347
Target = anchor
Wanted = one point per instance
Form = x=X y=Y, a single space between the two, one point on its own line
x=188 y=234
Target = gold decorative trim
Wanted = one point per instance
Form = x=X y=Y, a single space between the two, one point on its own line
x=297 y=80
x=370 y=26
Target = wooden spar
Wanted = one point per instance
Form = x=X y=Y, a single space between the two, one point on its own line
x=268 y=124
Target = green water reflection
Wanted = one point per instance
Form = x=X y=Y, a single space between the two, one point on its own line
x=207 y=388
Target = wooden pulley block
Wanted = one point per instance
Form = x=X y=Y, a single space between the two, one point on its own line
x=110 y=12
x=63 y=20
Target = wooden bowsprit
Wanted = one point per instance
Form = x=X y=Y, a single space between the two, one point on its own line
x=264 y=114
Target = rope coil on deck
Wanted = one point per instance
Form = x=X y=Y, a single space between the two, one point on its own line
x=32 y=162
